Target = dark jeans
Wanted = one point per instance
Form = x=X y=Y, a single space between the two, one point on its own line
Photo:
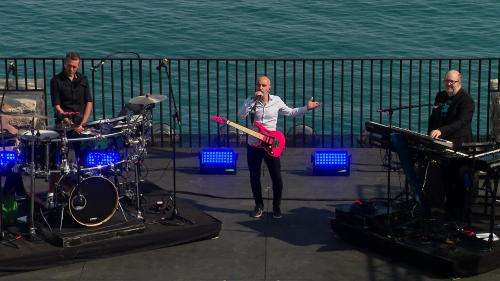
x=254 y=158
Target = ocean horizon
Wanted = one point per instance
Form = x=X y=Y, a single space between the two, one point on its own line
x=267 y=29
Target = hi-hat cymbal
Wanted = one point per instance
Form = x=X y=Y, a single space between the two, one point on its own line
x=147 y=99
x=29 y=115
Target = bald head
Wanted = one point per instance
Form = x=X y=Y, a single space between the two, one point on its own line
x=263 y=78
x=263 y=84
x=453 y=82
x=454 y=74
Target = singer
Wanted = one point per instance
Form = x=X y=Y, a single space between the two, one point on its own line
x=265 y=108
x=70 y=92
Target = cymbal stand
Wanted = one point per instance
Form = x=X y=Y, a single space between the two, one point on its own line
x=494 y=173
x=65 y=169
x=2 y=232
x=32 y=229
x=137 y=163
x=138 y=194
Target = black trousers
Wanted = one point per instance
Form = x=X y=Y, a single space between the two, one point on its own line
x=459 y=186
x=255 y=156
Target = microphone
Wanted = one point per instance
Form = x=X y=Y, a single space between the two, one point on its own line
x=254 y=108
x=95 y=67
x=12 y=67
x=255 y=100
x=163 y=62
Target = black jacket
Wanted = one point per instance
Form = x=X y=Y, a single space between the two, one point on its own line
x=453 y=117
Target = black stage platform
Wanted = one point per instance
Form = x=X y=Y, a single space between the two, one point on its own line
x=300 y=246
x=445 y=247
x=76 y=243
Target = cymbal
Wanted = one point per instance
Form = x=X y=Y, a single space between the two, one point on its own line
x=147 y=99
x=24 y=115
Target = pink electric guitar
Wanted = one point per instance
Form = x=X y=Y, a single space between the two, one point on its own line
x=272 y=141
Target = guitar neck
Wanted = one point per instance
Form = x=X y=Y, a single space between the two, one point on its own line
x=246 y=130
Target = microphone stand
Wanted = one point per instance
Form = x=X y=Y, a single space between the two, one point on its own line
x=174 y=121
x=102 y=61
x=390 y=111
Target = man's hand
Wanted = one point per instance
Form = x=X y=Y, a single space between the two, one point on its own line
x=79 y=129
x=435 y=134
x=311 y=104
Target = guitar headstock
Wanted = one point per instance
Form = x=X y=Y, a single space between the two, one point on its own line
x=219 y=119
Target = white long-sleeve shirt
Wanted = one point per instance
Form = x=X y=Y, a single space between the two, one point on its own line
x=268 y=114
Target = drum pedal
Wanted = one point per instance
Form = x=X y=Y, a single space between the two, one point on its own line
x=160 y=206
x=50 y=200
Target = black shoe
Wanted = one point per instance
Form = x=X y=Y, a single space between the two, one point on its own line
x=277 y=213
x=257 y=212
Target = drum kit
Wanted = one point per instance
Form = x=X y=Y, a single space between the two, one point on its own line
x=91 y=174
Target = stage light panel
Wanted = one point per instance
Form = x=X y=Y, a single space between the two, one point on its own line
x=7 y=158
x=218 y=161
x=331 y=162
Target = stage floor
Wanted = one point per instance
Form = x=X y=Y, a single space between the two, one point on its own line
x=300 y=246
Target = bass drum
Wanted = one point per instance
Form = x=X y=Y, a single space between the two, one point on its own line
x=93 y=202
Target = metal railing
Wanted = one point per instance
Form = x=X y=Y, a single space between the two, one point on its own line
x=351 y=91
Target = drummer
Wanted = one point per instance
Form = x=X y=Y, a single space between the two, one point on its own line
x=70 y=95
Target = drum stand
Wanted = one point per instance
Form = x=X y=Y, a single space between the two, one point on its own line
x=2 y=233
x=137 y=190
x=115 y=180
x=136 y=161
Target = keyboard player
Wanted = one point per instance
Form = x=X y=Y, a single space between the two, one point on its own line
x=452 y=113
x=450 y=120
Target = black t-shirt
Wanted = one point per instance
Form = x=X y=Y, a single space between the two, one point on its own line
x=72 y=96
x=453 y=117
